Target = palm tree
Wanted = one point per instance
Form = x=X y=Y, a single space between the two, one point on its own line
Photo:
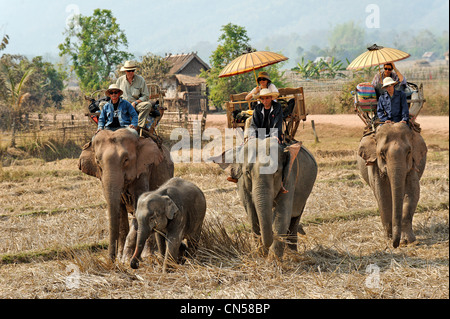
x=4 y=42
x=14 y=94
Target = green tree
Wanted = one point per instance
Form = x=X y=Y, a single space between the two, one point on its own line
x=154 y=68
x=94 y=44
x=45 y=85
x=347 y=40
x=233 y=42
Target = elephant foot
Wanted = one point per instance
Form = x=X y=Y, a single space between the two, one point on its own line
x=408 y=239
x=126 y=256
x=169 y=266
x=277 y=250
x=274 y=256
x=263 y=250
x=134 y=263
x=300 y=230
x=258 y=248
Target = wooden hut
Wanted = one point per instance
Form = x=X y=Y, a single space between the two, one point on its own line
x=184 y=89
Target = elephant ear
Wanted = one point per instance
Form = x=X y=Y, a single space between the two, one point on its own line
x=223 y=160
x=171 y=207
x=368 y=148
x=419 y=148
x=87 y=163
x=148 y=153
x=291 y=153
x=227 y=162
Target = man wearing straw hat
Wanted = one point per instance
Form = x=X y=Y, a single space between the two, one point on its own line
x=117 y=113
x=392 y=106
x=267 y=119
x=269 y=115
x=135 y=91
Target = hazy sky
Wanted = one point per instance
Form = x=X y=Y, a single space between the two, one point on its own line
x=176 y=26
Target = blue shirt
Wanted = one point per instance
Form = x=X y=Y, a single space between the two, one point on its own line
x=126 y=113
x=393 y=108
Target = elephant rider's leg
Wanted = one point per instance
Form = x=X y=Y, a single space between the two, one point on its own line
x=248 y=122
x=143 y=110
x=154 y=124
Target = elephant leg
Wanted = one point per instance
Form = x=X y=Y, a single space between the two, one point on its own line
x=173 y=243
x=150 y=246
x=254 y=220
x=182 y=252
x=124 y=229
x=130 y=242
x=382 y=191
x=281 y=222
x=193 y=241
x=161 y=243
x=251 y=212
x=412 y=193
x=292 y=233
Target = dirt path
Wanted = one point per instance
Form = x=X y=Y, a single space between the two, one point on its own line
x=437 y=124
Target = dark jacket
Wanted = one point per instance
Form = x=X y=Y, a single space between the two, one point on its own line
x=393 y=108
x=275 y=120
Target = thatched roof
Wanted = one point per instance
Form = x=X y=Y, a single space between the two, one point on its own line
x=189 y=80
x=180 y=61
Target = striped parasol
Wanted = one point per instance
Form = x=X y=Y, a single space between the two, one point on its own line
x=377 y=55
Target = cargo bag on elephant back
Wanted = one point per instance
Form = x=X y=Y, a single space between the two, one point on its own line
x=366 y=96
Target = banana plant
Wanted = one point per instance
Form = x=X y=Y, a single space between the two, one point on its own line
x=308 y=70
x=332 y=69
x=14 y=94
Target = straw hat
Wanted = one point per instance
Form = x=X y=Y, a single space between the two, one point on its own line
x=267 y=92
x=113 y=87
x=388 y=81
x=263 y=75
x=129 y=66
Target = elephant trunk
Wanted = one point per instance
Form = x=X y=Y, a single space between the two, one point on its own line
x=397 y=180
x=143 y=233
x=263 y=200
x=112 y=190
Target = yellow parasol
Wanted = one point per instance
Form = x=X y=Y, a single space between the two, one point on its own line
x=377 y=55
x=251 y=61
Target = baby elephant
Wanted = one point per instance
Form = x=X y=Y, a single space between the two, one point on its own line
x=175 y=212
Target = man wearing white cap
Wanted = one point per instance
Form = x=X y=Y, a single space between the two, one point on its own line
x=392 y=106
x=135 y=91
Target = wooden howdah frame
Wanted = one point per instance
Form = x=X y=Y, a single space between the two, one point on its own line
x=290 y=124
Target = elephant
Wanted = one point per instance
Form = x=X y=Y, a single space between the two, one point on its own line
x=392 y=161
x=175 y=212
x=127 y=166
x=274 y=214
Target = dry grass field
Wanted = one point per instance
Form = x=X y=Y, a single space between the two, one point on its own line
x=54 y=227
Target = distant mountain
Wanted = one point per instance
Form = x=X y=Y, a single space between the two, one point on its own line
x=177 y=26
